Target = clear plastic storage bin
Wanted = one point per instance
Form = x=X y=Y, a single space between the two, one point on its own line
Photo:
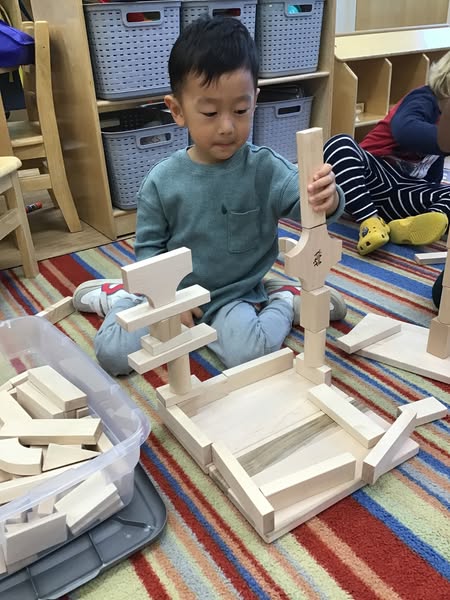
x=133 y=145
x=130 y=43
x=276 y=123
x=244 y=10
x=288 y=36
x=28 y=342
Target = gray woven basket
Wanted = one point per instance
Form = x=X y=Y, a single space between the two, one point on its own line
x=131 y=154
x=288 y=42
x=275 y=124
x=244 y=10
x=129 y=59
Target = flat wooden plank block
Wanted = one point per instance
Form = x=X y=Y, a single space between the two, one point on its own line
x=259 y=368
x=350 y=418
x=430 y=258
x=377 y=461
x=427 y=409
x=9 y=490
x=310 y=481
x=142 y=361
x=144 y=315
x=10 y=409
x=309 y=160
x=258 y=508
x=155 y=346
x=372 y=328
x=58 y=311
x=59 y=389
x=35 y=536
x=36 y=403
x=58 y=431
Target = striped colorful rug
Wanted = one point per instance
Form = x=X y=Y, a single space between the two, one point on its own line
x=388 y=541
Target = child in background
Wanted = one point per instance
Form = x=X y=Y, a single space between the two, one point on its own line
x=220 y=197
x=392 y=180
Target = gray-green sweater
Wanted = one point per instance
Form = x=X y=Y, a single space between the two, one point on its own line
x=226 y=213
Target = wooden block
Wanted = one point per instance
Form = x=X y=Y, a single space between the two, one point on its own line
x=144 y=315
x=19 y=460
x=3 y=567
x=103 y=443
x=310 y=481
x=259 y=368
x=314 y=348
x=309 y=160
x=444 y=307
x=86 y=501
x=57 y=311
x=286 y=244
x=9 y=490
x=372 y=328
x=34 y=537
x=46 y=506
x=427 y=410
x=6 y=387
x=59 y=389
x=57 y=431
x=81 y=412
x=315 y=309
x=19 y=378
x=350 y=418
x=169 y=398
x=58 y=455
x=202 y=335
x=439 y=339
x=377 y=461
x=10 y=409
x=37 y=404
x=103 y=511
x=155 y=346
x=315 y=374
x=313 y=257
x=258 y=508
x=430 y=258
x=210 y=390
x=17 y=518
x=446 y=278
x=4 y=476
x=158 y=277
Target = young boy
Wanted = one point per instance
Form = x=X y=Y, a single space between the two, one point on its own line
x=392 y=180
x=222 y=198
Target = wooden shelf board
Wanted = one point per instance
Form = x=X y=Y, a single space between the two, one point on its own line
x=391 y=43
x=112 y=105
x=368 y=119
x=125 y=221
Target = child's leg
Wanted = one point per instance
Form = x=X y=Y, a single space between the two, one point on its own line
x=243 y=333
x=113 y=344
x=357 y=172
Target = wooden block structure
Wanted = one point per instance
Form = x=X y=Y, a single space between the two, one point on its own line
x=274 y=434
x=157 y=279
x=427 y=409
x=36 y=444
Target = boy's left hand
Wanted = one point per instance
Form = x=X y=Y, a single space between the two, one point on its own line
x=322 y=193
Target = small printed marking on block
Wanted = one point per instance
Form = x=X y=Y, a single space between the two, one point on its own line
x=350 y=418
x=427 y=410
x=59 y=389
x=377 y=460
x=311 y=480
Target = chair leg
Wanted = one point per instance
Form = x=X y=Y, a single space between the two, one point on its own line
x=61 y=189
x=14 y=199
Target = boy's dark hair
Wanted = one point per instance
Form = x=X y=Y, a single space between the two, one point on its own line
x=210 y=47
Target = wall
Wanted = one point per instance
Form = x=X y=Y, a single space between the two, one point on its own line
x=379 y=14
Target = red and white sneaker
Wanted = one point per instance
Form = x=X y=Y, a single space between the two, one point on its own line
x=99 y=295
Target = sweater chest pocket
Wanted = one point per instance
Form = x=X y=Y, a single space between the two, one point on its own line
x=244 y=230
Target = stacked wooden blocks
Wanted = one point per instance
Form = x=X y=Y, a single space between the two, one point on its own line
x=439 y=336
x=46 y=429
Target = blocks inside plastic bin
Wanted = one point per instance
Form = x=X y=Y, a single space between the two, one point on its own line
x=288 y=36
x=130 y=43
x=30 y=523
x=275 y=124
x=244 y=10
x=134 y=141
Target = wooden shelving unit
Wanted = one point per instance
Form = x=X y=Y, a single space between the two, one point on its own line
x=78 y=110
x=379 y=68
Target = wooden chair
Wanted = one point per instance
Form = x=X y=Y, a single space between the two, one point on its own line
x=36 y=141
x=15 y=219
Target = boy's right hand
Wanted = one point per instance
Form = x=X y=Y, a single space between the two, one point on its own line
x=187 y=317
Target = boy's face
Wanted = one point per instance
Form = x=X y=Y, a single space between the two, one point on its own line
x=218 y=116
